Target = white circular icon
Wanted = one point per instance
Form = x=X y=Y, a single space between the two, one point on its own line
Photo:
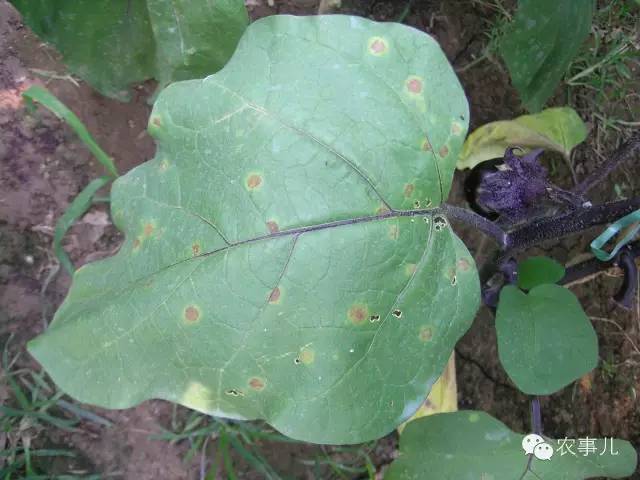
x=530 y=441
x=543 y=451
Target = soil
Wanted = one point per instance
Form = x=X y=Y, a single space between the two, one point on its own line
x=43 y=166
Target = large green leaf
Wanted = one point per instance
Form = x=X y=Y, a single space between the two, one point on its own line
x=559 y=129
x=474 y=445
x=542 y=41
x=545 y=340
x=114 y=43
x=279 y=261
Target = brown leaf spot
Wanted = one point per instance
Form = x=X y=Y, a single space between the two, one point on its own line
x=378 y=46
x=425 y=334
x=358 y=313
x=394 y=232
x=156 y=121
x=274 y=296
x=195 y=249
x=414 y=85
x=254 y=181
x=408 y=189
x=382 y=210
x=463 y=265
x=306 y=356
x=136 y=243
x=456 y=128
x=444 y=151
x=191 y=314
x=410 y=269
x=426 y=146
x=148 y=229
x=256 y=383
x=272 y=225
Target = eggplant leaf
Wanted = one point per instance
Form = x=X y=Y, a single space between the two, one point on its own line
x=114 y=43
x=534 y=271
x=545 y=340
x=557 y=129
x=543 y=39
x=282 y=258
x=467 y=444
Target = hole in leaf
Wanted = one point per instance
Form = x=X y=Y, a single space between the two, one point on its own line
x=439 y=223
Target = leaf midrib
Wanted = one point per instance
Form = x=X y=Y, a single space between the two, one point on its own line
x=284 y=233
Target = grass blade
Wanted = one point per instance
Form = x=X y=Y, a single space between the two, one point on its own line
x=41 y=95
x=226 y=457
x=254 y=459
x=76 y=209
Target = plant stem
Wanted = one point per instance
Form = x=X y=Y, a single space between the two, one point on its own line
x=593 y=265
x=553 y=228
x=536 y=416
x=627 y=150
x=469 y=217
x=546 y=228
x=627 y=293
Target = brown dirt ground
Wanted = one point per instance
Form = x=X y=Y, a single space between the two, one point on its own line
x=43 y=166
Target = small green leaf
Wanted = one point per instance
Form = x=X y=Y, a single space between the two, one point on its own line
x=541 y=42
x=536 y=271
x=282 y=257
x=114 y=43
x=474 y=445
x=545 y=340
x=558 y=129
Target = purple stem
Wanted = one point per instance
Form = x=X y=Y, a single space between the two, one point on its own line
x=627 y=262
x=627 y=150
x=593 y=265
x=553 y=228
x=471 y=218
x=536 y=416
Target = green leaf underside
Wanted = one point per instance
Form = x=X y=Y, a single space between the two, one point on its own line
x=274 y=265
x=543 y=40
x=534 y=271
x=466 y=445
x=114 y=43
x=545 y=340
